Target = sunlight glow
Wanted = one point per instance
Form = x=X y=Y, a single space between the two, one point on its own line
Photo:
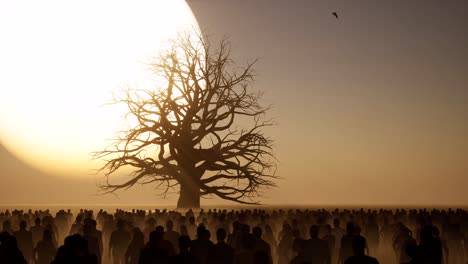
x=60 y=62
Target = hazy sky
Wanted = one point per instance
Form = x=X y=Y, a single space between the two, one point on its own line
x=372 y=107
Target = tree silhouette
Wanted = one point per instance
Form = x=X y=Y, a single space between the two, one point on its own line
x=187 y=131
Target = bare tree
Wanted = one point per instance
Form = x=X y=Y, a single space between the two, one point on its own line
x=188 y=131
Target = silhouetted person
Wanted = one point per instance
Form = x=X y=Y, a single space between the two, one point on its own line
x=329 y=238
x=402 y=242
x=150 y=225
x=301 y=255
x=61 y=220
x=183 y=231
x=346 y=245
x=357 y=232
x=132 y=255
x=269 y=237
x=454 y=238
x=184 y=256
x=97 y=234
x=54 y=235
x=285 y=245
x=411 y=252
x=24 y=240
x=92 y=241
x=359 y=246
x=165 y=244
x=153 y=253
x=37 y=231
x=118 y=243
x=6 y=227
x=221 y=252
x=74 y=251
x=338 y=233
x=247 y=254
x=372 y=233
x=233 y=239
x=261 y=245
x=429 y=250
x=9 y=251
x=299 y=248
x=171 y=235
x=45 y=249
x=108 y=226
x=316 y=248
x=261 y=257
x=77 y=227
x=443 y=242
x=202 y=245
x=192 y=228
x=49 y=224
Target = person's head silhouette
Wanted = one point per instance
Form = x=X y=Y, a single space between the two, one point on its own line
x=138 y=235
x=184 y=243
x=23 y=225
x=93 y=224
x=160 y=229
x=169 y=225
x=6 y=226
x=359 y=245
x=350 y=228
x=314 y=231
x=47 y=236
x=220 y=234
x=155 y=237
x=336 y=223
x=192 y=220
x=298 y=245
x=151 y=222
x=257 y=232
x=247 y=242
x=120 y=224
x=200 y=230
x=426 y=234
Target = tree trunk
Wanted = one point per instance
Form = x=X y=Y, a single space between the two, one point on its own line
x=189 y=196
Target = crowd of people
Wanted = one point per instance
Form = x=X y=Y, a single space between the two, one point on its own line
x=294 y=236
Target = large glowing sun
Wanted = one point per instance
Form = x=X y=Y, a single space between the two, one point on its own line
x=60 y=62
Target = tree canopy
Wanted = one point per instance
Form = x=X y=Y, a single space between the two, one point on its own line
x=201 y=128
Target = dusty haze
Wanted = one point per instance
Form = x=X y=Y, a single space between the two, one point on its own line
x=372 y=107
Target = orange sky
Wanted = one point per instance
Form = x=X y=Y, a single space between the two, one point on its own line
x=372 y=107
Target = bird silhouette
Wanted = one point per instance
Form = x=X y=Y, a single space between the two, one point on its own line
x=335 y=14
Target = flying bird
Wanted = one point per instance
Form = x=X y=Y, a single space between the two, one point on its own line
x=335 y=14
